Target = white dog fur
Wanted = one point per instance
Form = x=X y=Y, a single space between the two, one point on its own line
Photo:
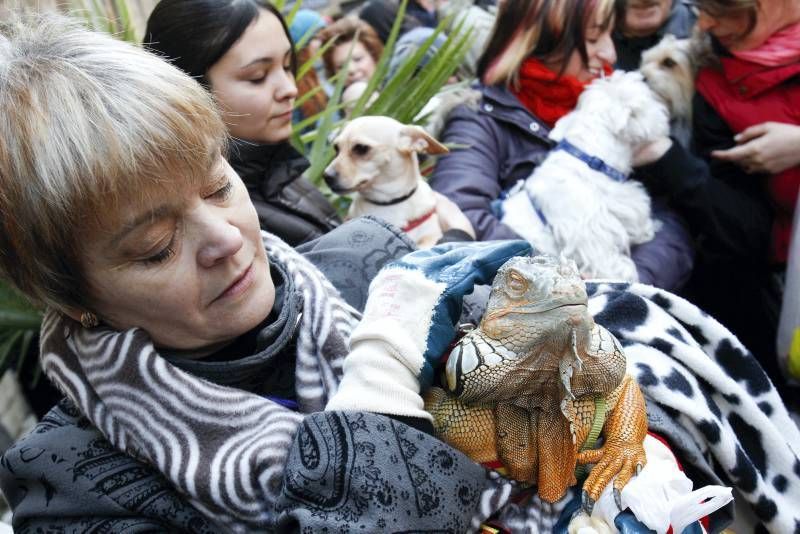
x=590 y=217
x=377 y=162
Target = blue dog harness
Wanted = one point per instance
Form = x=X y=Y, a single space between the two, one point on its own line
x=593 y=162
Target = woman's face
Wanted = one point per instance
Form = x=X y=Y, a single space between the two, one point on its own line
x=732 y=27
x=190 y=270
x=361 y=67
x=254 y=85
x=599 y=49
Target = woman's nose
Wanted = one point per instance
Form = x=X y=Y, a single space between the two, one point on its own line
x=220 y=240
x=286 y=88
x=606 y=50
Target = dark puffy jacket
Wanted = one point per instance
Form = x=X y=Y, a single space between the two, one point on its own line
x=731 y=213
x=287 y=204
x=503 y=143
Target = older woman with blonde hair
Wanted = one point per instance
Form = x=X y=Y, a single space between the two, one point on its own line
x=189 y=344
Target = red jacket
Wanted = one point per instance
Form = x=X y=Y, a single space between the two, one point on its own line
x=745 y=94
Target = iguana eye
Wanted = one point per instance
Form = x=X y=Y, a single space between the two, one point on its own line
x=516 y=282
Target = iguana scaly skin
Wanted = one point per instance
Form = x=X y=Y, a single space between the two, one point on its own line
x=524 y=386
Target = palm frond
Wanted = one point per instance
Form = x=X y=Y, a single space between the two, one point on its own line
x=402 y=97
x=19 y=322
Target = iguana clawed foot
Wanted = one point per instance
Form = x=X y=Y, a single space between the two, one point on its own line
x=614 y=459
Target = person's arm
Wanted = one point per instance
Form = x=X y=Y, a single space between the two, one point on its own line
x=92 y=523
x=470 y=176
x=64 y=476
x=364 y=472
x=723 y=204
x=352 y=254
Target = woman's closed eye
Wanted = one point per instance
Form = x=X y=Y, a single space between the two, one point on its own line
x=162 y=255
x=223 y=192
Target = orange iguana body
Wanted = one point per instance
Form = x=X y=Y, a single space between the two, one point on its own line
x=525 y=385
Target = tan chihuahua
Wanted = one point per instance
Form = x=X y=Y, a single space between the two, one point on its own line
x=376 y=160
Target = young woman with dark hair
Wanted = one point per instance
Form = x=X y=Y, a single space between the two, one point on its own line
x=537 y=62
x=243 y=53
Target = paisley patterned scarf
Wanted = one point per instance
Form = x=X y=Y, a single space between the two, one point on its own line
x=224 y=449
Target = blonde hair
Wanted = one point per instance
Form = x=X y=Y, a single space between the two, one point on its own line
x=88 y=125
x=545 y=29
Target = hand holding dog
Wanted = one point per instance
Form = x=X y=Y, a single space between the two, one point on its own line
x=451 y=216
x=651 y=152
x=766 y=148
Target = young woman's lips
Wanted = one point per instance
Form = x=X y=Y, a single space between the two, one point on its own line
x=239 y=286
x=283 y=116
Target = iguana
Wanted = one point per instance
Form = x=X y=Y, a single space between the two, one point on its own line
x=538 y=380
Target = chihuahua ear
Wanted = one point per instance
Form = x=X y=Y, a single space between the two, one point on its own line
x=415 y=139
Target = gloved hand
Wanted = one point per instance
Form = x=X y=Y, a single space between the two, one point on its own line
x=409 y=320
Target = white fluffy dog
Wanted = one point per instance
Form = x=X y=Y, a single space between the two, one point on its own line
x=578 y=202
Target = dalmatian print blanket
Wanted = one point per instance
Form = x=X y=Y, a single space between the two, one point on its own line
x=709 y=396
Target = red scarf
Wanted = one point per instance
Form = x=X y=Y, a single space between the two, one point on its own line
x=546 y=94
x=782 y=48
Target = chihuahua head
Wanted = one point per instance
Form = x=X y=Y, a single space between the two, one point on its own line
x=376 y=156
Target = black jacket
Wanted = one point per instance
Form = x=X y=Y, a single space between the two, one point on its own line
x=287 y=204
x=730 y=215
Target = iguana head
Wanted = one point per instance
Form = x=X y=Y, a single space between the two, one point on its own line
x=530 y=293
x=536 y=321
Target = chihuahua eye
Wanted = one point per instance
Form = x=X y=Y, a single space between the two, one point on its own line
x=668 y=62
x=336 y=148
x=360 y=150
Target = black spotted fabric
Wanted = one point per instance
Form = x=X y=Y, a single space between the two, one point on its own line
x=710 y=396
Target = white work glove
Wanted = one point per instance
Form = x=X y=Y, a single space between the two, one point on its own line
x=409 y=320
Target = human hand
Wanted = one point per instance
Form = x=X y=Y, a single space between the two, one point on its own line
x=451 y=216
x=409 y=320
x=769 y=147
x=651 y=152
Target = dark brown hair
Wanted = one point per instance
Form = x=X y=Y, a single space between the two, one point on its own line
x=544 y=29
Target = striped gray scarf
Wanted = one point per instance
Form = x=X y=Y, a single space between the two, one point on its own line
x=224 y=449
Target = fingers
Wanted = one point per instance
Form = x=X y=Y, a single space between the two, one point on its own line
x=752 y=132
x=735 y=154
